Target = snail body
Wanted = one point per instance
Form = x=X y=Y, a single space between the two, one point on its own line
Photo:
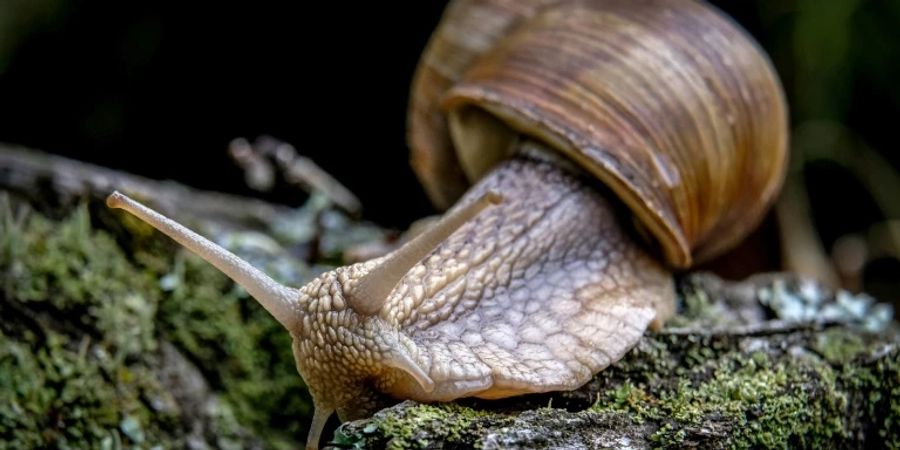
x=581 y=125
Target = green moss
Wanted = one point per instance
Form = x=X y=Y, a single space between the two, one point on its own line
x=838 y=347
x=80 y=342
x=434 y=416
x=67 y=270
x=417 y=427
x=763 y=400
x=57 y=396
x=77 y=324
x=890 y=428
x=240 y=348
x=880 y=380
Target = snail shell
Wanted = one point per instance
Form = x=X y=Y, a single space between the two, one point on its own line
x=667 y=102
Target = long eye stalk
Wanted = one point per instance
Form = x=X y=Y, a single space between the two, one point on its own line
x=277 y=299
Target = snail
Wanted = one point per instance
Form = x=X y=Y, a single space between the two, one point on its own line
x=609 y=142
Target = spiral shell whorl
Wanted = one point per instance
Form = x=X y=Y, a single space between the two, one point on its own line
x=668 y=102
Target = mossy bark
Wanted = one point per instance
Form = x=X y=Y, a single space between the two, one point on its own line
x=736 y=380
x=97 y=352
x=113 y=337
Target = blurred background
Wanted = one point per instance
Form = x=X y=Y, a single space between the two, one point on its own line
x=161 y=88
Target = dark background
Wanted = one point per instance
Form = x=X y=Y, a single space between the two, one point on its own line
x=160 y=88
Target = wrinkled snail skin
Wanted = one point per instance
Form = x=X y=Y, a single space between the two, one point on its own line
x=568 y=118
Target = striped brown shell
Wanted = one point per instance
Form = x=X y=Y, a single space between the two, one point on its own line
x=668 y=102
